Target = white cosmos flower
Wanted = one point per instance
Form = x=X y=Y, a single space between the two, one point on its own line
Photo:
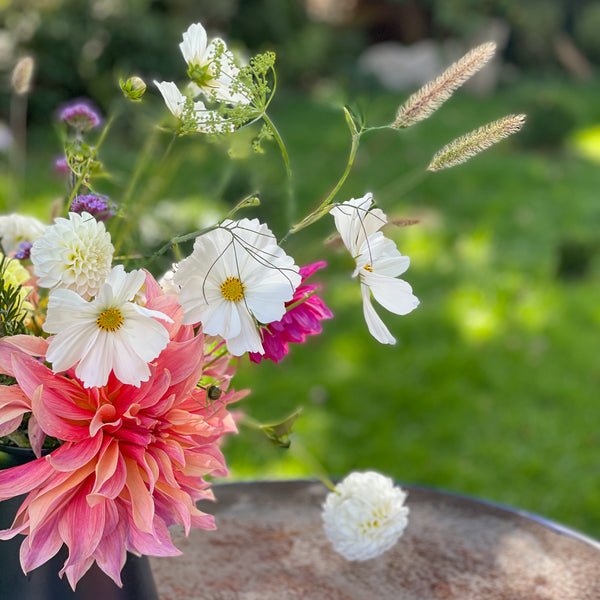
x=110 y=333
x=15 y=229
x=74 y=253
x=237 y=276
x=365 y=516
x=378 y=263
x=205 y=121
x=211 y=66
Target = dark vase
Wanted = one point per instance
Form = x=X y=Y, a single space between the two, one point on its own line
x=44 y=583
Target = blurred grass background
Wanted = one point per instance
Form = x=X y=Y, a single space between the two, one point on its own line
x=492 y=387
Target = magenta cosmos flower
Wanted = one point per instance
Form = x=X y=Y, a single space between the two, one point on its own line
x=304 y=313
x=133 y=459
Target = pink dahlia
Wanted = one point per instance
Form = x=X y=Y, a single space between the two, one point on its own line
x=302 y=317
x=132 y=461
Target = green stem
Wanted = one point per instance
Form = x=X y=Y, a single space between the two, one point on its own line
x=324 y=207
x=141 y=165
x=180 y=239
x=91 y=159
x=279 y=140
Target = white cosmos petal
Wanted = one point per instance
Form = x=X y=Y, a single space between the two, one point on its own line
x=382 y=255
x=72 y=308
x=67 y=346
x=95 y=351
x=375 y=325
x=125 y=285
x=198 y=300
x=355 y=222
x=226 y=320
x=95 y=365
x=146 y=312
x=130 y=368
x=248 y=339
x=194 y=43
x=393 y=294
x=147 y=337
x=173 y=98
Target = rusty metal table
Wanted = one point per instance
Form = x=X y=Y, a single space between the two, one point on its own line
x=270 y=545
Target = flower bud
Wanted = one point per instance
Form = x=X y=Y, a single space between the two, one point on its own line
x=22 y=75
x=133 y=88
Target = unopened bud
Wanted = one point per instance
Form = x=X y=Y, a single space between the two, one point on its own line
x=133 y=88
x=22 y=75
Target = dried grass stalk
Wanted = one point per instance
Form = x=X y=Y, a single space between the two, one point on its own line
x=466 y=146
x=433 y=94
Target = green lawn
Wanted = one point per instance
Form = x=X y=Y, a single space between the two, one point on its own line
x=492 y=387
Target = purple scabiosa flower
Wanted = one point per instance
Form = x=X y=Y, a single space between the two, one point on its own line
x=302 y=318
x=24 y=250
x=80 y=115
x=97 y=206
x=61 y=166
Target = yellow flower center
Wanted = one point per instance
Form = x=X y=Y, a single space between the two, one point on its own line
x=233 y=289
x=368 y=267
x=110 y=319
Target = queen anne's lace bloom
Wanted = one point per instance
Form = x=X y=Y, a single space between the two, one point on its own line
x=74 y=253
x=236 y=277
x=378 y=263
x=108 y=334
x=365 y=516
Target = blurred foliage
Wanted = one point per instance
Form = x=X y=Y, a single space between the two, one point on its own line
x=83 y=48
x=585 y=29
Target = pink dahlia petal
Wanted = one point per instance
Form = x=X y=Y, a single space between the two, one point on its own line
x=36 y=550
x=23 y=478
x=76 y=571
x=111 y=552
x=70 y=457
x=111 y=474
x=78 y=511
x=142 y=506
x=28 y=344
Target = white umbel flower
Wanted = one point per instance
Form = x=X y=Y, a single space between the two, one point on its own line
x=110 y=333
x=74 y=253
x=15 y=229
x=203 y=120
x=365 y=516
x=378 y=263
x=211 y=66
x=236 y=277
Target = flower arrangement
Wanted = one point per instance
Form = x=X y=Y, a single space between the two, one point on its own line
x=119 y=378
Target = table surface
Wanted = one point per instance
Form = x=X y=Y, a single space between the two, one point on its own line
x=270 y=545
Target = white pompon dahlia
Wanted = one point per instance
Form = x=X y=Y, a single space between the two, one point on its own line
x=365 y=516
x=378 y=263
x=74 y=253
x=236 y=278
x=110 y=333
